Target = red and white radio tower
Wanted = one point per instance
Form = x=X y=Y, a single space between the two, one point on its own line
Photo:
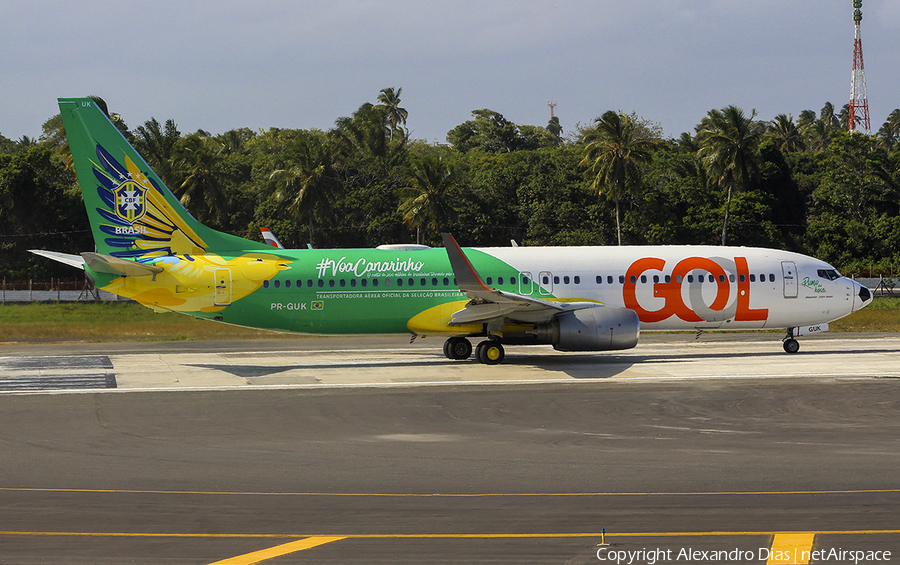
x=859 y=102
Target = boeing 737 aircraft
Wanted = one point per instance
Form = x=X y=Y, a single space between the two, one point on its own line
x=150 y=249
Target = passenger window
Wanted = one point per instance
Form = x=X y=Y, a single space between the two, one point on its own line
x=363 y=282
x=743 y=278
x=690 y=278
x=343 y=283
x=309 y=283
x=287 y=283
x=566 y=280
x=599 y=279
x=731 y=278
x=387 y=282
x=277 y=284
x=555 y=280
x=622 y=279
x=265 y=284
x=353 y=282
x=721 y=278
x=321 y=283
x=546 y=280
x=331 y=282
x=490 y=280
x=668 y=278
x=434 y=282
x=500 y=280
x=374 y=282
x=446 y=281
x=609 y=279
x=577 y=279
x=771 y=277
x=633 y=279
x=512 y=281
x=679 y=279
x=700 y=278
x=752 y=277
x=643 y=279
x=423 y=282
x=399 y=282
x=655 y=278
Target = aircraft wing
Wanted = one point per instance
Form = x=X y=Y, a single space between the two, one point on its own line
x=488 y=304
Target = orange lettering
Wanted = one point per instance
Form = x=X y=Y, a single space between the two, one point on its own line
x=629 y=293
x=671 y=292
x=744 y=312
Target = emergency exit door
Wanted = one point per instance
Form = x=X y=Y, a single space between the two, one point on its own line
x=789 y=273
x=223 y=287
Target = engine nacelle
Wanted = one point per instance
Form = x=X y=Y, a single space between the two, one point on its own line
x=600 y=328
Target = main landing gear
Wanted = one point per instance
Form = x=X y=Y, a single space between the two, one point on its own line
x=489 y=352
x=790 y=344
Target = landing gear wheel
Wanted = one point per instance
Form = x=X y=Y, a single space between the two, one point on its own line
x=791 y=345
x=489 y=352
x=457 y=348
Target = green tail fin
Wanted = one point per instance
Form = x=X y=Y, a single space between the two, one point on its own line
x=133 y=214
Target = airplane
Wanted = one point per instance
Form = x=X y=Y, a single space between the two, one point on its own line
x=270 y=238
x=151 y=250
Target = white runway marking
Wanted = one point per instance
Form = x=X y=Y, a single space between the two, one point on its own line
x=417 y=366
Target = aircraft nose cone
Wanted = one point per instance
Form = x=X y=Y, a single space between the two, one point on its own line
x=862 y=296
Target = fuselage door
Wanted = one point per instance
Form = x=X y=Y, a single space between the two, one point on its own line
x=526 y=284
x=223 y=287
x=545 y=283
x=789 y=271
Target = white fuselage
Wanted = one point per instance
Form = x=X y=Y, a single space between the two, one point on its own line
x=688 y=287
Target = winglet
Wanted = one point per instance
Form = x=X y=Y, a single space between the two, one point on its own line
x=467 y=278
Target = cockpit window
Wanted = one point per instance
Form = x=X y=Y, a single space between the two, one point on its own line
x=829 y=274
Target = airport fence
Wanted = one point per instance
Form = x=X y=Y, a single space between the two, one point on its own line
x=73 y=289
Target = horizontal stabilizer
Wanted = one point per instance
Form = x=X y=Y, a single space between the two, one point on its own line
x=115 y=266
x=66 y=258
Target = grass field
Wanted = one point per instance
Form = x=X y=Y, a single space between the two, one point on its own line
x=107 y=321
x=122 y=321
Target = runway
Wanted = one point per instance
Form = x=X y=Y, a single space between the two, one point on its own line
x=320 y=452
x=392 y=361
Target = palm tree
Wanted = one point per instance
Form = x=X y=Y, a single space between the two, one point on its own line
x=157 y=146
x=427 y=203
x=613 y=152
x=889 y=131
x=390 y=103
x=200 y=173
x=828 y=116
x=786 y=135
x=307 y=181
x=555 y=129
x=728 y=148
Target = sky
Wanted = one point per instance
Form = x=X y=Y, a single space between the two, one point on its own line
x=218 y=65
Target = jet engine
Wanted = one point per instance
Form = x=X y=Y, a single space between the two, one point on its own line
x=598 y=328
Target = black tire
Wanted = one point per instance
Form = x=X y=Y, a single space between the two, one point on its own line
x=458 y=348
x=791 y=345
x=490 y=352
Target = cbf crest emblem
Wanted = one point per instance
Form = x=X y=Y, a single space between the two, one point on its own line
x=131 y=201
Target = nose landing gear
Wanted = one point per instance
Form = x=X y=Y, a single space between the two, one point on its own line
x=790 y=344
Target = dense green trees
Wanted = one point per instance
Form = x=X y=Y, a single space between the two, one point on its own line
x=614 y=150
x=807 y=185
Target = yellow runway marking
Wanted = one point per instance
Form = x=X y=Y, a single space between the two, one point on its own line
x=791 y=548
x=278 y=550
